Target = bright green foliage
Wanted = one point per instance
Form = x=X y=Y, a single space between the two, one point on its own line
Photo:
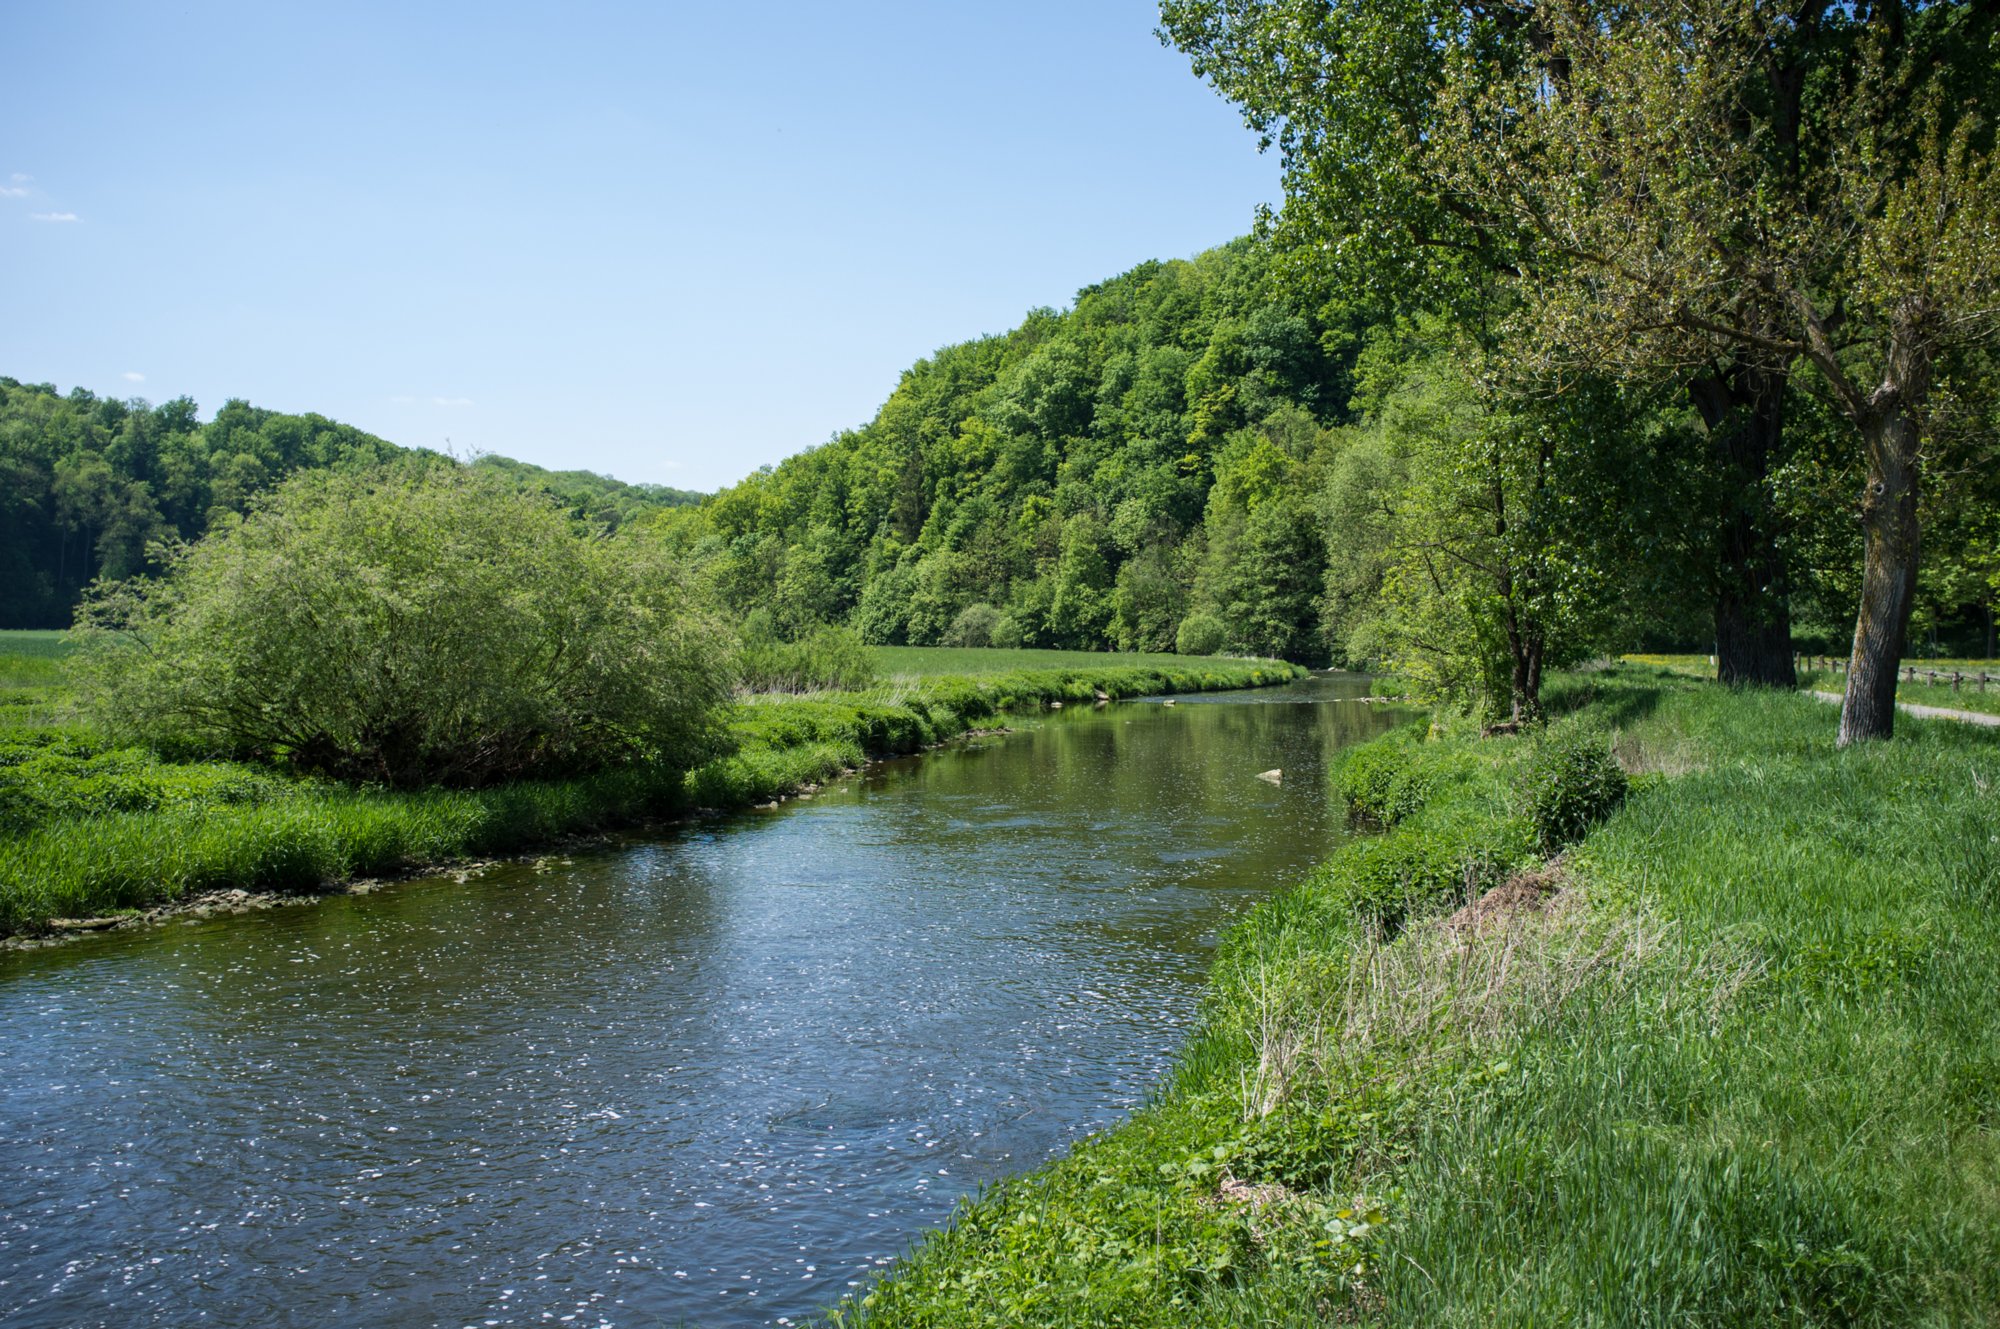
x=57 y=777
x=827 y=657
x=1741 y=1070
x=1571 y=783
x=1094 y=476
x=410 y=625
x=1200 y=634
x=1488 y=535
x=1706 y=195
x=973 y=627
x=87 y=483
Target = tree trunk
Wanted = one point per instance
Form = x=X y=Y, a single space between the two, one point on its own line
x=1527 y=680
x=1888 y=578
x=1745 y=415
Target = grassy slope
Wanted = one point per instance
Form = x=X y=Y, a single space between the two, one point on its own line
x=87 y=829
x=1746 y=1070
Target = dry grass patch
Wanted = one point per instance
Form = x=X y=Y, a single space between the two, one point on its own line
x=1510 y=962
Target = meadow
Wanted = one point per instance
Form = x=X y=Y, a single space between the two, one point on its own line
x=89 y=828
x=1732 y=1058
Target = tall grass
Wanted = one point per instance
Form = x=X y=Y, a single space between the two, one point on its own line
x=85 y=829
x=1742 y=1068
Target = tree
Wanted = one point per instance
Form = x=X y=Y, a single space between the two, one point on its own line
x=1714 y=189
x=411 y=624
x=1354 y=95
x=1722 y=180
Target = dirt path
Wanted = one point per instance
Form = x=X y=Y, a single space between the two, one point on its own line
x=1928 y=712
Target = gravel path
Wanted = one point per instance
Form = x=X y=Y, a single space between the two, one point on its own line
x=1928 y=712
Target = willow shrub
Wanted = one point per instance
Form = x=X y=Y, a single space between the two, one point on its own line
x=410 y=625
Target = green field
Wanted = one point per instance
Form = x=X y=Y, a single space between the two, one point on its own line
x=940 y=661
x=34 y=642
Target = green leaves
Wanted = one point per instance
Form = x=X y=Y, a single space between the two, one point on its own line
x=411 y=625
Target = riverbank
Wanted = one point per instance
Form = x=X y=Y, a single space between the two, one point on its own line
x=92 y=832
x=1732 y=1058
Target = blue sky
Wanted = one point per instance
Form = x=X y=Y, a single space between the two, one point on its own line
x=668 y=242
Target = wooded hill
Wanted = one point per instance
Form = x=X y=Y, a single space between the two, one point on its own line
x=89 y=483
x=1210 y=455
x=1083 y=481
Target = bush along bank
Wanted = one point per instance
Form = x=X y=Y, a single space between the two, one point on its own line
x=85 y=831
x=1705 y=1035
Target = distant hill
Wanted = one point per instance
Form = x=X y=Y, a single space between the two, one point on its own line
x=87 y=483
x=1093 y=478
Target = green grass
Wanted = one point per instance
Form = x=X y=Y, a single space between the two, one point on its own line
x=939 y=661
x=1744 y=1070
x=1967 y=697
x=87 y=827
x=44 y=642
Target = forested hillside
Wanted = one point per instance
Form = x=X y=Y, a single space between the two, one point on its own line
x=1213 y=454
x=88 y=483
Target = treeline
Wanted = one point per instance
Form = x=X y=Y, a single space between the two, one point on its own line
x=1777 y=227
x=89 y=485
x=1223 y=454
x=1091 y=479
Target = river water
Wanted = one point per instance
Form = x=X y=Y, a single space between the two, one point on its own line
x=717 y=1078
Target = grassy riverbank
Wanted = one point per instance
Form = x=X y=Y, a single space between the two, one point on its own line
x=89 y=829
x=1732 y=1059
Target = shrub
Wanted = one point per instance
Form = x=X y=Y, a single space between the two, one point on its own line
x=1382 y=782
x=829 y=657
x=1572 y=782
x=1007 y=633
x=973 y=626
x=411 y=624
x=1201 y=633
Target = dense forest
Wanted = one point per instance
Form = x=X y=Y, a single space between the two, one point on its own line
x=90 y=485
x=1212 y=454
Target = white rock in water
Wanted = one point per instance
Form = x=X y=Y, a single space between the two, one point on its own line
x=1275 y=777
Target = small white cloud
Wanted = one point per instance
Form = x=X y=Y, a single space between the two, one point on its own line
x=451 y=401
x=672 y=465
x=134 y=376
x=13 y=191
x=20 y=179
x=52 y=216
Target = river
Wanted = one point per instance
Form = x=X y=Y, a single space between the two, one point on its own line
x=717 y=1077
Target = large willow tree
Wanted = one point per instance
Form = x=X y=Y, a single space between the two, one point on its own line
x=1715 y=190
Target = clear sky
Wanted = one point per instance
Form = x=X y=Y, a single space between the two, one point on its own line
x=670 y=242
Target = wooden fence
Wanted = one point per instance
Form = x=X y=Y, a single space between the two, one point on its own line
x=1911 y=674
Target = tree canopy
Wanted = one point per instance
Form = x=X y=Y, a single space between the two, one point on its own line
x=89 y=484
x=1715 y=194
